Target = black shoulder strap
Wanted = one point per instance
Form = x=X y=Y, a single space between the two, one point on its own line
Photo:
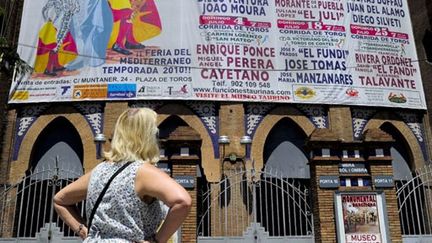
x=99 y=199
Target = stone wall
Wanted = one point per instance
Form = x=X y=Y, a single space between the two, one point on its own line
x=421 y=18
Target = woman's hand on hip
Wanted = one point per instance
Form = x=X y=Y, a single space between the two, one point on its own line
x=83 y=233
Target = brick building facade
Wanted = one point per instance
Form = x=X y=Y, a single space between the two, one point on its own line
x=190 y=137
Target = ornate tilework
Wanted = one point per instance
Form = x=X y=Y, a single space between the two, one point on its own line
x=206 y=111
x=316 y=114
x=93 y=113
x=26 y=117
x=412 y=121
x=255 y=113
x=415 y=124
x=360 y=117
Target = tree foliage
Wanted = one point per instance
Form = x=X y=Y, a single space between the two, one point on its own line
x=9 y=58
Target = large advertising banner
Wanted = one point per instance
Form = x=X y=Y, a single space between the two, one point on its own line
x=350 y=52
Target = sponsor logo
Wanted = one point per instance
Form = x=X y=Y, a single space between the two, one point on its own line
x=179 y=91
x=121 y=90
x=33 y=92
x=184 y=89
x=77 y=94
x=397 y=98
x=146 y=90
x=86 y=91
x=352 y=92
x=305 y=93
x=64 y=92
x=122 y=94
x=64 y=89
x=20 y=95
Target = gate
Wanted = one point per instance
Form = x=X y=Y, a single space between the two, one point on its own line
x=26 y=209
x=250 y=206
x=415 y=206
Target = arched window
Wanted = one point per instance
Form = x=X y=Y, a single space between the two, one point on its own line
x=400 y=154
x=283 y=150
x=166 y=128
x=413 y=202
x=56 y=160
x=60 y=142
x=169 y=125
x=282 y=198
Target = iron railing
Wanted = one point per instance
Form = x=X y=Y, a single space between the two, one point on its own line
x=415 y=202
x=26 y=206
x=244 y=196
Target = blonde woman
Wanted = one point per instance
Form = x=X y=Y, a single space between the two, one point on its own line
x=130 y=210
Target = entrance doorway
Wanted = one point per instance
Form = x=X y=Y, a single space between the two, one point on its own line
x=56 y=161
x=263 y=205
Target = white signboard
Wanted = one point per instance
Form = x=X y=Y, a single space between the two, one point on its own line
x=350 y=52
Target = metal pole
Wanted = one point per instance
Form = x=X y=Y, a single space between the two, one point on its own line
x=254 y=208
x=254 y=198
x=21 y=205
x=54 y=183
x=225 y=208
x=283 y=204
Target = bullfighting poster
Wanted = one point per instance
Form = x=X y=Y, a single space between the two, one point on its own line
x=350 y=52
x=360 y=218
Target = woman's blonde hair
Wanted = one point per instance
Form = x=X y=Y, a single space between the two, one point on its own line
x=135 y=137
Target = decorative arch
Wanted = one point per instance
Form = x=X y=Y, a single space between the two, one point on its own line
x=269 y=122
x=169 y=125
x=19 y=167
x=415 y=152
x=208 y=162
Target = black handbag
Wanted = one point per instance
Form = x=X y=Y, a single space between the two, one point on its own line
x=99 y=199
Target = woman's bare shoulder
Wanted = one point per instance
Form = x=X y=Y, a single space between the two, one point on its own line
x=147 y=171
x=148 y=168
x=148 y=180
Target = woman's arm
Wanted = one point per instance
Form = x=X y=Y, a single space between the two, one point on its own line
x=65 y=204
x=151 y=181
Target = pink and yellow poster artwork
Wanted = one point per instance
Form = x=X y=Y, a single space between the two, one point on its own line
x=91 y=33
